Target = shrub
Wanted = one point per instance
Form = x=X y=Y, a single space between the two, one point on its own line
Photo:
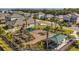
x=67 y=31
x=9 y=36
x=2 y=31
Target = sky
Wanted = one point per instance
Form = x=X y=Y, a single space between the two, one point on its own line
x=39 y=3
x=31 y=8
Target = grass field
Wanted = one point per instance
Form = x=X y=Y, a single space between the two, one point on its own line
x=39 y=26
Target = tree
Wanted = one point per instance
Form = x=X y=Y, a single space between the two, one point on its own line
x=35 y=17
x=77 y=24
x=47 y=35
x=9 y=36
x=26 y=18
x=55 y=20
x=60 y=24
x=51 y=19
x=2 y=31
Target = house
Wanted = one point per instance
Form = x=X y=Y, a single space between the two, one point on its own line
x=73 y=18
x=6 y=11
x=3 y=11
x=2 y=19
x=77 y=21
x=14 y=20
x=60 y=17
x=19 y=12
x=49 y=16
x=70 y=19
x=58 y=38
x=66 y=18
x=27 y=14
x=41 y=15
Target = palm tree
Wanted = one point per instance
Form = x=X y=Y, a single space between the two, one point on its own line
x=34 y=17
x=55 y=22
x=2 y=31
x=59 y=23
x=9 y=35
x=47 y=35
x=61 y=27
x=22 y=28
x=51 y=20
x=26 y=18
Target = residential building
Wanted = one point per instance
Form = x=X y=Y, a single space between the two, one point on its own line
x=15 y=20
x=2 y=19
x=49 y=16
x=66 y=18
x=41 y=15
x=56 y=40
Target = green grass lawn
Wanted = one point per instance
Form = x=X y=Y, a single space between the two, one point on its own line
x=67 y=31
x=39 y=26
x=77 y=42
x=45 y=20
x=54 y=29
x=73 y=48
x=4 y=45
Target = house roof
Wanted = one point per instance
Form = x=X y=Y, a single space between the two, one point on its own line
x=49 y=15
x=2 y=16
x=66 y=17
x=40 y=13
x=60 y=16
x=17 y=16
x=19 y=22
x=58 y=38
x=77 y=21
